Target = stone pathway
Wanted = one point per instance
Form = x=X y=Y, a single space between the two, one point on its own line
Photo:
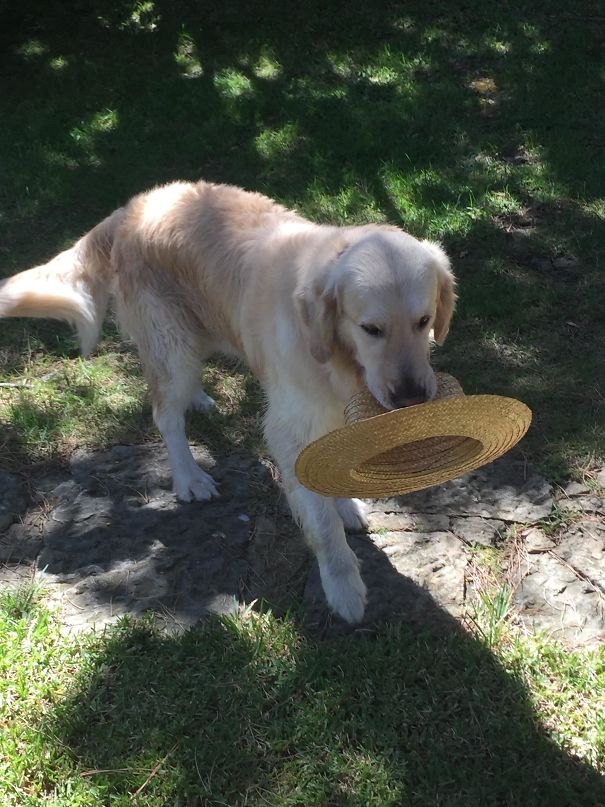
x=107 y=538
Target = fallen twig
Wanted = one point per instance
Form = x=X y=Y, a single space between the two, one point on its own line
x=153 y=773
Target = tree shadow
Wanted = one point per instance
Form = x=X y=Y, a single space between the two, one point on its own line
x=113 y=540
x=303 y=106
x=262 y=713
x=351 y=113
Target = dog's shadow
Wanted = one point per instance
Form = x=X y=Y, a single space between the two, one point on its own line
x=115 y=542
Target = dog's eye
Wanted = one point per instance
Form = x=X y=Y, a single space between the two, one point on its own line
x=373 y=330
x=423 y=322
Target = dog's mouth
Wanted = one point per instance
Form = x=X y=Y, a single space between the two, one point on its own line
x=404 y=395
x=384 y=399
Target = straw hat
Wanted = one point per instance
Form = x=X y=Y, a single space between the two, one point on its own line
x=387 y=453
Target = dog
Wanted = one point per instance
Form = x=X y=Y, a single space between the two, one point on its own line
x=314 y=310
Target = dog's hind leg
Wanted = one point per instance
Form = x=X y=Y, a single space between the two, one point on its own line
x=189 y=481
x=171 y=350
x=201 y=401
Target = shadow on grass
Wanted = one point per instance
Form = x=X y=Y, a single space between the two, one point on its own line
x=352 y=112
x=435 y=119
x=417 y=713
x=260 y=713
x=103 y=402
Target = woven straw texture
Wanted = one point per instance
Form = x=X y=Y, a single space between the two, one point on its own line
x=386 y=453
x=364 y=405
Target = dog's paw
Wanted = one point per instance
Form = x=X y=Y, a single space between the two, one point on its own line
x=354 y=514
x=345 y=591
x=194 y=486
x=202 y=402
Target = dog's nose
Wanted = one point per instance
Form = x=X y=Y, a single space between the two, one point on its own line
x=408 y=392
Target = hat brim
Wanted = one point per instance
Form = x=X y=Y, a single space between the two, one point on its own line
x=414 y=448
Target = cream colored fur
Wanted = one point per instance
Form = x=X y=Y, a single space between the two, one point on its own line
x=314 y=310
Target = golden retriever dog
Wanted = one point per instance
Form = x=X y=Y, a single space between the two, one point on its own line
x=314 y=310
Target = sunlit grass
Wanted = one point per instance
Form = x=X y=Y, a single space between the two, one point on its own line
x=74 y=402
x=232 y=83
x=277 y=143
x=187 y=57
x=567 y=690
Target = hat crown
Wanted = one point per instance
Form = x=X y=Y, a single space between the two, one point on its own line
x=364 y=405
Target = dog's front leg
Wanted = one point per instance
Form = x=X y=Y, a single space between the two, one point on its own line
x=338 y=566
x=323 y=529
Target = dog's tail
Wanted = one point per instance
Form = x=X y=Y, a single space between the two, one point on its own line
x=75 y=286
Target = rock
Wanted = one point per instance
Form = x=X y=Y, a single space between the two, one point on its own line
x=417 y=578
x=20 y=544
x=278 y=562
x=435 y=561
x=12 y=498
x=111 y=539
x=504 y=490
x=14 y=576
x=142 y=471
x=475 y=530
x=551 y=598
x=591 y=503
x=117 y=542
x=380 y=520
x=583 y=547
x=422 y=522
x=565 y=262
x=601 y=478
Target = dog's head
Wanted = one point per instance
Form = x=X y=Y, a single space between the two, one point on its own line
x=382 y=301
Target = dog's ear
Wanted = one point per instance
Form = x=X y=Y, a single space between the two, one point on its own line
x=317 y=307
x=446 y=293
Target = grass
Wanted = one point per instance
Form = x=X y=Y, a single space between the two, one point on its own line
x=464 y=125
x=250 y=711
x=476 y=124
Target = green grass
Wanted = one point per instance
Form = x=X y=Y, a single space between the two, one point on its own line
x=250 y=711
x=478 y=124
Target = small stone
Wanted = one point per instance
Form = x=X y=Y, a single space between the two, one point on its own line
x=601 y=478
x=169 y=502
x=243 y=517
x=575 y=489
x=537 y=541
